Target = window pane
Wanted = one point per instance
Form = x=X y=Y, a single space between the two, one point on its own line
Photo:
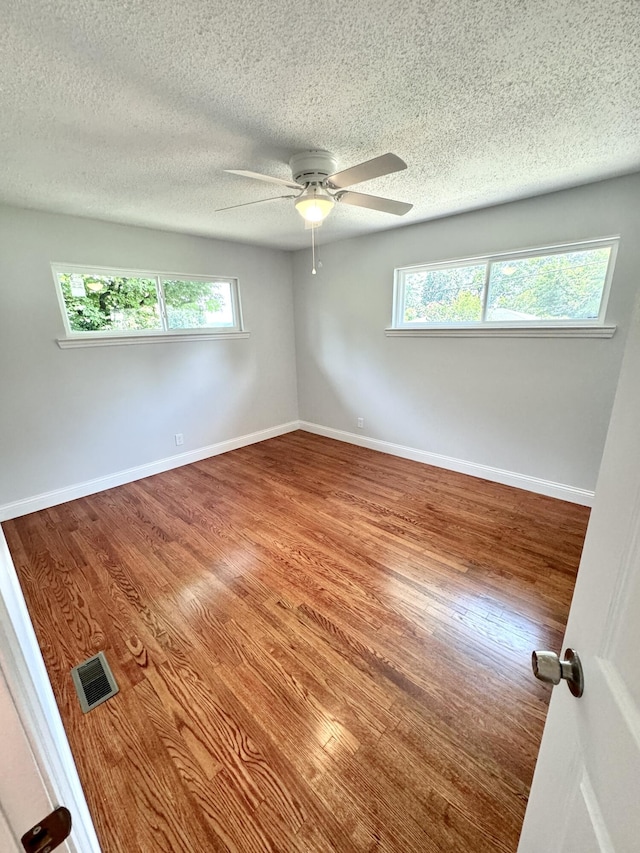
x=198 y=304
x=565 y=286
x=451 y=295
x=101 y=303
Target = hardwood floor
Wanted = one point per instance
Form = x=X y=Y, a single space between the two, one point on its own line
x=318 y=648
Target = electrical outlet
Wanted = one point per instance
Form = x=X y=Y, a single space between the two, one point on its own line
x=360 y=423
x=179 y=438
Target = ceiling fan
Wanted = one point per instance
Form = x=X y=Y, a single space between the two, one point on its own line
x=320 y=186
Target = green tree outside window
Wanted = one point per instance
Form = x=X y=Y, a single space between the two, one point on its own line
x=101 y=303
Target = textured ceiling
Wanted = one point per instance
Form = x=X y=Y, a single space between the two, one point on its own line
x=129 y=110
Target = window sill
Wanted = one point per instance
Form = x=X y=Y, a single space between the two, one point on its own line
x=162 y=338
x=505 y=332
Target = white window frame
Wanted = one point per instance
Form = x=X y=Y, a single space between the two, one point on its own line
x=73 y=338
x=522 y=328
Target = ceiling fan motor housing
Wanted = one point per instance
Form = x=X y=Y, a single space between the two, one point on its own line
x=312 y=167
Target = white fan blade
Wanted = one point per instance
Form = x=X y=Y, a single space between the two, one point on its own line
x=376 y=168
x=258 y=201
x=267 y=178
x=374 y=202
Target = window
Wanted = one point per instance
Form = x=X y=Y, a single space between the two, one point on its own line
x=119 y=304
x=563 y=286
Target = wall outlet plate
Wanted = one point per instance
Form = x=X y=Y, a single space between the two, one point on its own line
x=360 y=423
x=179 y=439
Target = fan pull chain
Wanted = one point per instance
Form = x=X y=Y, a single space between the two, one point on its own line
x=314 y=271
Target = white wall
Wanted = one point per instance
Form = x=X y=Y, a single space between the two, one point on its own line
x=537 y=407
x=68 y=416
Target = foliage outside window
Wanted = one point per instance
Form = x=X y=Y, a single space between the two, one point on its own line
x=561 y=286
x=117 y=302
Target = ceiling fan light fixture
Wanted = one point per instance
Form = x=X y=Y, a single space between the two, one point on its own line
x=314 y=205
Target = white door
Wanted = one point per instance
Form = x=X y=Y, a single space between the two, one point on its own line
x=24 y=799
x=37 y=772
x=585 y=796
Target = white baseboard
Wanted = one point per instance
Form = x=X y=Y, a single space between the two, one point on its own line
x=486 y=472
x=99 y=484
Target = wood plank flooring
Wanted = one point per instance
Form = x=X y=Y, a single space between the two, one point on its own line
x=318 y=648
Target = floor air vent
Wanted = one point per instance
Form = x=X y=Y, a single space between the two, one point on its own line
x=94 y=682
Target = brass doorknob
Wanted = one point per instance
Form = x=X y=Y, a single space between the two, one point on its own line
x=548 y=667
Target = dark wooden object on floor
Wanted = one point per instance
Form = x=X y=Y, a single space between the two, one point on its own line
x=318 y=648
